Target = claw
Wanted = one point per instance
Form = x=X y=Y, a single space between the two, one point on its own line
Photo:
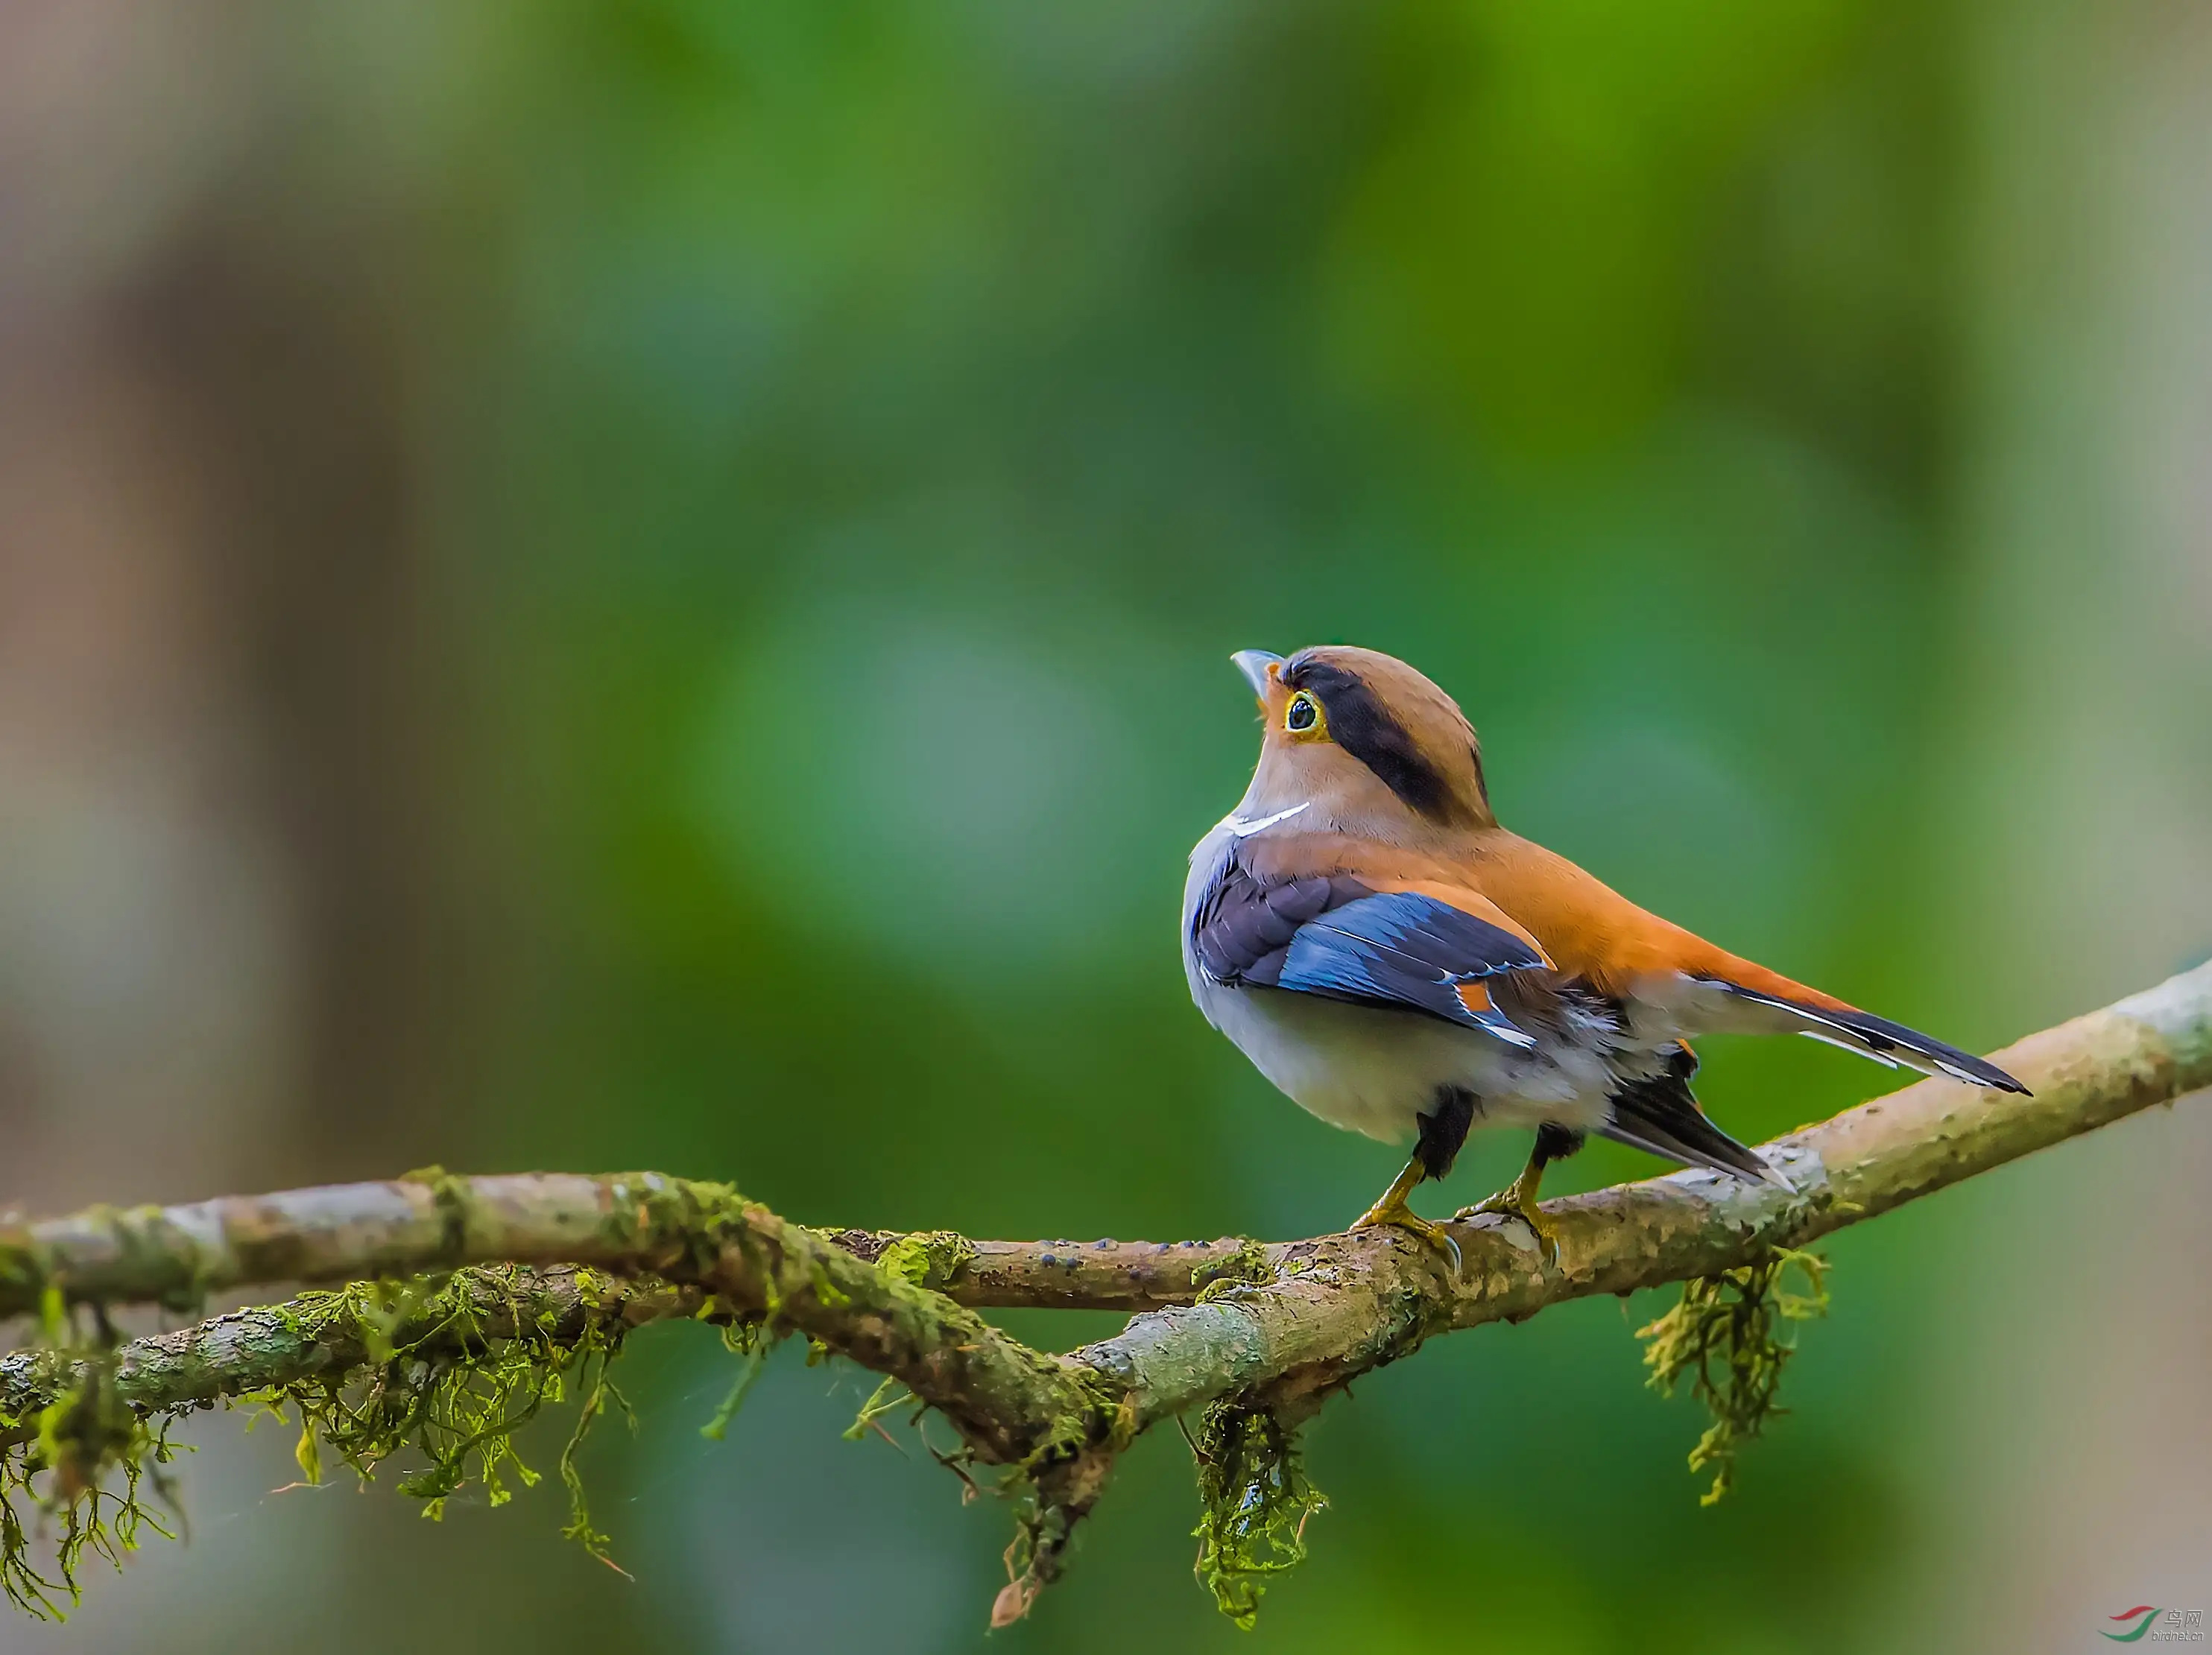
x=1509 y=1202
x=1402 y=1217
x=1518 y=1200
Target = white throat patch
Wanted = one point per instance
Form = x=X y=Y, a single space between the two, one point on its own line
x=1239 y=828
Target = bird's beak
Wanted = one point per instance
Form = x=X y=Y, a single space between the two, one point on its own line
x=1257 y=665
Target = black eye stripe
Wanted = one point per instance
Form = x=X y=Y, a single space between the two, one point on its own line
x=1360 y=724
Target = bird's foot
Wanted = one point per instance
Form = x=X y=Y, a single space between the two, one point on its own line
x=1514 y=1202
x=1398 y=1216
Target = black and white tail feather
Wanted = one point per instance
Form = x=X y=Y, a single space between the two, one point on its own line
x=1891 y=1044
x=1660 y=1116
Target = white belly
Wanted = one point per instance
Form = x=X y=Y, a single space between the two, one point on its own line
x=1377 y=1072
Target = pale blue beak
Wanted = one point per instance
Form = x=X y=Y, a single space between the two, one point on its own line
x=1254 y=664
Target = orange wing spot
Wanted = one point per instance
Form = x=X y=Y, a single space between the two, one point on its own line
x=1474 y=997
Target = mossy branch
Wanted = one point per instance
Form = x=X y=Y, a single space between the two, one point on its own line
x=326 y=1336
x=1263 y=1333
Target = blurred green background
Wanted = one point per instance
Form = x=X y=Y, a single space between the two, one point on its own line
x=598 y=585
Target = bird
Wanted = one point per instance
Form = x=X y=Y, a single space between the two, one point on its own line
x=1399 y=964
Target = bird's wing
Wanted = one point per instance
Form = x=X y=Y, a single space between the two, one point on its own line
x=1416 y=946
x=1598 y=934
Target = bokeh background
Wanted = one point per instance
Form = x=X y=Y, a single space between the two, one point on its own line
x=649 y=584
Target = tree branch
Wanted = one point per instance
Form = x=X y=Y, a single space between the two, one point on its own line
x=270 y=1347
x=1278 y=1328
x=1343 y=1304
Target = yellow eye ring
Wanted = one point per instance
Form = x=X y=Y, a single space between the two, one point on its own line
x=1302 y=716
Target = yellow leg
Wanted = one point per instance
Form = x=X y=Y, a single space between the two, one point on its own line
x=1390 y=1208
x=1518 y=1198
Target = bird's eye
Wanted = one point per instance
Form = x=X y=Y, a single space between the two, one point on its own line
x=1302 y=713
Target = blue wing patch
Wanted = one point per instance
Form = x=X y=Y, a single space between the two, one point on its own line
x=1402 y=948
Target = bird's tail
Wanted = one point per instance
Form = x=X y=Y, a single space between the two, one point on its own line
x=1750 y=999
x=1661 y=1116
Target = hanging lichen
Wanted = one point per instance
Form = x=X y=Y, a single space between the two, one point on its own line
x=441 y=1386
x=1724 y=1334
x=438 y=1375
x=749 y=1344
x=60 y=1462
x=1255 y=1501
x=445 y=1370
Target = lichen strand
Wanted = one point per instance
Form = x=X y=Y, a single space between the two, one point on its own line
x=1255 y=1502
x=1725 y=1335
x=442 y=1381
x=72 y=1442
x=442 y=1369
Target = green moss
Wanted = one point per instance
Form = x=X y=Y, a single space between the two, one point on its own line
x=1248 y=1267
x=1053 y=1486
x=23 y=1273
x=438 y=1387
x=167 y=1262
x=1726 y=1335
x=682 y=1220
x=416 y=1372
x=453 y=1196
x=1255 y=1500
x=928 y=1259
x=63 y=1468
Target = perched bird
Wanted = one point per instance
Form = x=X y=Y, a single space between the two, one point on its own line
x=1400 y=965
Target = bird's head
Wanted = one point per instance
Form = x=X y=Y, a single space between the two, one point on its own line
x=1369 y=742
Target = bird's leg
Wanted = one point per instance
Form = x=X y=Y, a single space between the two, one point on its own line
x=1518 y=1198
x=1442 y=1131
x=1390 y=1208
